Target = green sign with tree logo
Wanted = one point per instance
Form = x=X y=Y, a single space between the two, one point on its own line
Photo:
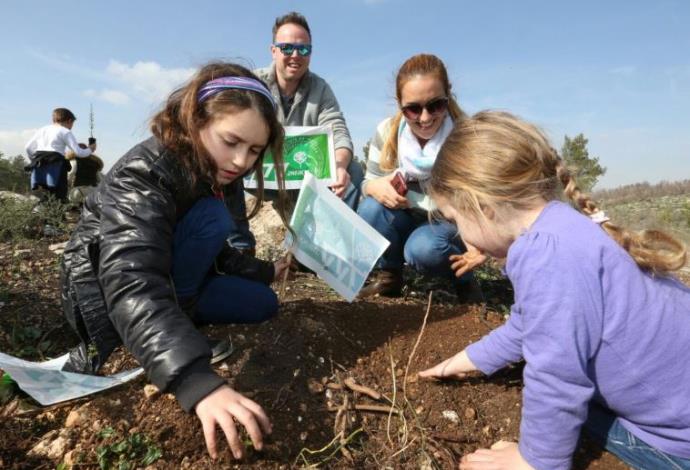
x=305 y=149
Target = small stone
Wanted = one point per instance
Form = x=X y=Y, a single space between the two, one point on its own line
x=50 y=446
x=470 y=413
x=303 y=407
x=97 y=425
x=486 y=430
x=419 y=410
x=303 y=436
x=75 y=418
x=451 y=416
x=151 y=391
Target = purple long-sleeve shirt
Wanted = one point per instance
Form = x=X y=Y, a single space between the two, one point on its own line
x=591 y=325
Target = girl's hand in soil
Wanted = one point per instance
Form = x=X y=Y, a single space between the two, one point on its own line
x=502 y=455
x=453 y=367
x=223 y=406
x=383 y=191
x=460 y=264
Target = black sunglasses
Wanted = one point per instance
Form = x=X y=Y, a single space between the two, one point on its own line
x=433 y=107
x=287 y=48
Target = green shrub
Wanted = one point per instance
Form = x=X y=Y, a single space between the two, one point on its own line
x=23 y=218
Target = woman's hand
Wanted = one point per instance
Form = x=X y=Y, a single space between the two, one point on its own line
x=280 y=268
x=383 y=191
x=223 y=406
x=453 y=367
x=502 y=455
x=467 y=261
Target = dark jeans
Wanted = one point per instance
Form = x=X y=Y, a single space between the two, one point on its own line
x=603 y=427
x=199 y=237
x=241 y=236
x=425 y=246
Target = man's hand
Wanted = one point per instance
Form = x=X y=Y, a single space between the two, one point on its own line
x=342 y=181
x=502 y=456
x=222 y=407
x=454 y=367
x=460 y=264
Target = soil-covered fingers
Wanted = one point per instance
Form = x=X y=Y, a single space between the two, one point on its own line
x=228 y=426
x=453 y=367
x=442 y=370
x=259 y=414
x=208 y=424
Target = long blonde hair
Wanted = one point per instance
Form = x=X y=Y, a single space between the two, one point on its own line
x=415 y=66
x=495 y=159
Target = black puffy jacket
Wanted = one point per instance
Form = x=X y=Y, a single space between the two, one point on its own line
x=116 y=282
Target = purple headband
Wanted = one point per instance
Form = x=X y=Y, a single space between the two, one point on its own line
x=238 y=83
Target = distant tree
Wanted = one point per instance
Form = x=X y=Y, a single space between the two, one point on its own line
x=587 y=169
x=12 y=175
x=365 y=149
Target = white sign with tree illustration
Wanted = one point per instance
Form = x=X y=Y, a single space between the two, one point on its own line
x=332 y=239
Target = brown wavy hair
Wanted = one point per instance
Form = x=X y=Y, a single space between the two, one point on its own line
x=495 y=159
x=178 y=124
x=415 y=66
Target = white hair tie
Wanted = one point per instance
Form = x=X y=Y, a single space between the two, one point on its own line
x=599 y=217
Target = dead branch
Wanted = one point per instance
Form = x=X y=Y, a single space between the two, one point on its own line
x=370 y=408
x=414 y=349
x=370 y=392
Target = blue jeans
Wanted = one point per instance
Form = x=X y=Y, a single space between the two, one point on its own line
x=242 y=238
x=425 y=246
x=603 y=427
x=198 y=238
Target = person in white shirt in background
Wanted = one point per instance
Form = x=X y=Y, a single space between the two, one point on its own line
x=46 y=151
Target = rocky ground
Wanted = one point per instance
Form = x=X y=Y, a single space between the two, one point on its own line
x=337 y=379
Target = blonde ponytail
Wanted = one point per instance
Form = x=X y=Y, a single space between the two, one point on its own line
x=652 y=250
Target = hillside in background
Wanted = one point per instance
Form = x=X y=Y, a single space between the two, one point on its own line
x=664 y=206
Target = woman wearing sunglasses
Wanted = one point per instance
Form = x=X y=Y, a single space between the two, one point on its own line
x=401 y=155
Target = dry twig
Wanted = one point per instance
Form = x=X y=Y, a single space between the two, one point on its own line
x=370 y=392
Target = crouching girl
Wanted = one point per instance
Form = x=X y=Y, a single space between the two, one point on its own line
x=603 y=328
x=148 y=260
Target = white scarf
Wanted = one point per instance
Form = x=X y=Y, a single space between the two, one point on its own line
x=415 y=161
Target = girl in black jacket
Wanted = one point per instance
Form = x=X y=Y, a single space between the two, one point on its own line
x=149 y=258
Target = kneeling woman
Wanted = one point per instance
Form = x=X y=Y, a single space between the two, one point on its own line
x=401 y=155
x=148 y=259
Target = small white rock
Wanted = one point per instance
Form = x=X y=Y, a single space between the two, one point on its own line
x=451 y=416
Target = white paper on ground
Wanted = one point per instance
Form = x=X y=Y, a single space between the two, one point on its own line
x=47 y=384
x=333 y=240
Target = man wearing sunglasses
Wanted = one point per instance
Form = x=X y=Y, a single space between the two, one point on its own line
x=304 y=99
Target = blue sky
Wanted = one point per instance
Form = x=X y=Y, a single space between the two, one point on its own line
x=617 y=71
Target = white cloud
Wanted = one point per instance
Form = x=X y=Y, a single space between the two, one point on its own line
x=13 y=142
x=111 y=96
x=148 y=80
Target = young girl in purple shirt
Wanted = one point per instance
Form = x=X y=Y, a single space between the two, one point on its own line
x=602 y=326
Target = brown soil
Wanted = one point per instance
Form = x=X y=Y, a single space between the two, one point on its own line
x=296 y=367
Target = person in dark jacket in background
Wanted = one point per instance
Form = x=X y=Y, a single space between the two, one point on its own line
x=149 y=260
x=84 y=176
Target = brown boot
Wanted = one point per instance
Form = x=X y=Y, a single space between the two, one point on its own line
x=469 y=292
x=387 y=282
